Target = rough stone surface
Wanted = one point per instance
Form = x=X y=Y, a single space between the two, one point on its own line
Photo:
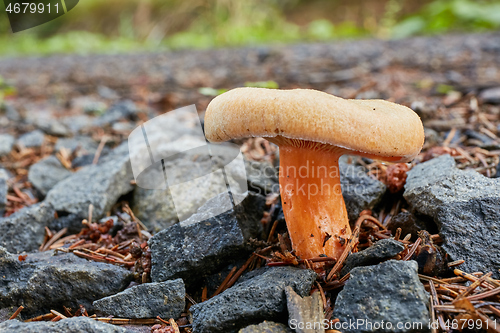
x=205 y=247
x=52 y=126
x=11 y=112
x=45 y=281
x=6 y=313
x=148 y=300
x=120 y=110
x=77 y=123
x=4 y=187
x=75 y=324
x=471 y=231
x=408 y=223
x=24 y=230
x=100 y=185
x=154 y=208
x=254 y=300
x=305 y=315
x=84 y=144
x=6 y=143
x=466 y=208
x=266 y=327
x=483 y=140
x=490 y=95
x=88 y=104
x=82 y=160
x=107 y=93
x=161 y=208
x=389 y=292
x=46 y=173
x=382 y=250
x=438 y=182
x=474 y=56
x=213 y=281
x=359 y=190
x=71 y=221
x=31 y=139
x=431 y=136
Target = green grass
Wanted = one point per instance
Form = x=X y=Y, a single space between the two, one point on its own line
x=99 y=27
x=80 y=42
x=450 y=15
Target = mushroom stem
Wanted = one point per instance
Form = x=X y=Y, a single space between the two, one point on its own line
x=312 y=199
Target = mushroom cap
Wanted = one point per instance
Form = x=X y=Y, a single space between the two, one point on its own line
x=373 y=128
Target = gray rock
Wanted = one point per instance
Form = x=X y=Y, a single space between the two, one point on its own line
x=75 y=324
x=4 y=188
x=120 y=110
x=6 y=143
x=431 y=136
x=257 y=299
x=81 y=161
x=84 y=144
x=100 y=185
x=148 y=300
x=471 y=231
x=11 y=113
x=490 y=95
x=88 y=104
x=205 y=247
x=408 y=223
x=262 y=177
x=52 y=126
x=31 y=139
x=390 y=292
x=83 y=148
x=305 y=315
x=464 y=205
x=455 y=139
x=266 y=327
x=24 y=230
x=46 y=173
x=359 y=190
x=155 y=208
x=213 y=281
x=438 y=182
x=45 y=281
x=485 y=141
x=78 y=122
x=382 y=250
x=123 y=126
x=107 y=93
x=6 y=313
x=193 y=186
x=71 y=221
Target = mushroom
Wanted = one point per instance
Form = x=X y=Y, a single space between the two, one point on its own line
x=313 y=129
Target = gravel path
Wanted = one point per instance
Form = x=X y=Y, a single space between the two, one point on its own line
x=463 y=60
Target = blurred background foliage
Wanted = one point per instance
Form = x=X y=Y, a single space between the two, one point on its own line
x=111 y=26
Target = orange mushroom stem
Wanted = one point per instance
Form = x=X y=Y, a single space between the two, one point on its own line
x=312 y=199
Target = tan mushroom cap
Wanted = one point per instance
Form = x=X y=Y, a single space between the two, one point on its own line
x=374 y=128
